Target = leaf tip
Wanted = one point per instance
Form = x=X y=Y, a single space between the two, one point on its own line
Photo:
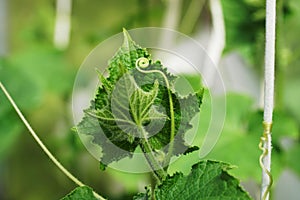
x=74 y=129
x=127 y=37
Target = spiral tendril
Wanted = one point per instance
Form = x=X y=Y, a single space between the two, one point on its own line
x=263 y=140
x=142 y=62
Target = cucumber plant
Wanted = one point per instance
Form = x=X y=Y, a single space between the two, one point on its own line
x=137 y=105
x=137 y=108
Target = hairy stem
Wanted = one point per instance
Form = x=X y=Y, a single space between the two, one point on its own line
x=41 y=144
x=172 y=134
x=158 y=171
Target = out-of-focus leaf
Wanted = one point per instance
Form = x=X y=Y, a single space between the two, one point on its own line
x=46 y=67
x=21 y=87
x=243 y=22
x=292 y=158
x=9 y=132
x=81 y=193
x=25 y=93
x=292 y=98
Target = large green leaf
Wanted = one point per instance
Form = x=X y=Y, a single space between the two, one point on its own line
x=81 y=193
x=207 y=180
x=131 y=106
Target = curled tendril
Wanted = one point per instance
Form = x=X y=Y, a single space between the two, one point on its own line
x=263 y=140
x=142 y=62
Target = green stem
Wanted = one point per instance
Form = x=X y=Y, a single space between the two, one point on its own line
x=172 y=134
x=41 y=144
x=158 y=171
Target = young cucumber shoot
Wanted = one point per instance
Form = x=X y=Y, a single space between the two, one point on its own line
x=137 y=106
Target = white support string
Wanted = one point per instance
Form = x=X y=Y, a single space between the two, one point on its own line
x=170 y=21
x=269 y=60
x=216 y=42
x=62 y=27
x=265 y=159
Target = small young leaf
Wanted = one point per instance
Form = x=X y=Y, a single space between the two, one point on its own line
x=81 y=193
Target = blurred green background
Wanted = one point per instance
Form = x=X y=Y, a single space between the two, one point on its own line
x=38 y=66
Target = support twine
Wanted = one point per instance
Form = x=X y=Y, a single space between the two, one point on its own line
x=265 y=143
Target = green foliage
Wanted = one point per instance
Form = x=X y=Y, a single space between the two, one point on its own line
x=207 y=180
x=9 y=123
x=244 y=21
x=240 y=137
x=128 y=107
x=292 y=158
x=46 y=68
x=244 y=24
x=241 y=132
x=81 y=193
x=30 y=79
x=40 y=79
x=36 y=76
x=9 y=131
